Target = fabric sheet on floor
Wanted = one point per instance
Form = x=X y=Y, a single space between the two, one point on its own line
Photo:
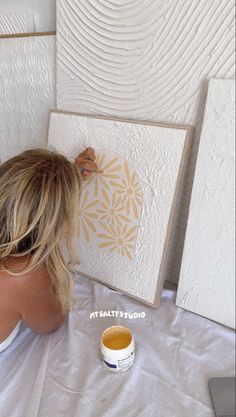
x=61 y=374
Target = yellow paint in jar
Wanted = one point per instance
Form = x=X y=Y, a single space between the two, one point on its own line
x=117 y=348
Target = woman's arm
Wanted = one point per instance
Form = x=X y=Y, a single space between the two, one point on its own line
x=37 y=304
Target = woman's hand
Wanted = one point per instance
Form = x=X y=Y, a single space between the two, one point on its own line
x=86 y=163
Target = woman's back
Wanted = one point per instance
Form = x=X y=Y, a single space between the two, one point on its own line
x=28 y=297
x=39 y=193
x=8 y=303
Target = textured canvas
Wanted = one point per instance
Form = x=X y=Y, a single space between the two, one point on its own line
x=16 y=23
x=207 y=280
x=146 y=60
x=142 y=59
x=27 y=92
x=126 y=209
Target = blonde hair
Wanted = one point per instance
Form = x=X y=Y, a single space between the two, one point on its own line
x=39 y=190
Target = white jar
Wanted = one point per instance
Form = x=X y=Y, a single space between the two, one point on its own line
x=117 y=348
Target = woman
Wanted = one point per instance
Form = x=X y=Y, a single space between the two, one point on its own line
x=39 y=191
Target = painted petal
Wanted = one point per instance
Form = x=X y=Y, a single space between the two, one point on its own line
x=104 y=236
x=104 y=183
x=114 y=202
x=124 y=183
x=106 y=196
x=125 y=219
x=91 y=215
x=91 y=225
x=131 y=231
x=132 y=239
x=135 y=209
x=108 y=229
x=118 y=221
x=110 y=163
x=138 y=200
x=110 y=176
x=128 y=254
x=126 y=166
x=113 y=249
x=96 y=186
x=128 y=207
x=113 y=230
x=101 y=160
x=105 y=244
x=116 y=184
x=133 y=179
x=116 y=168
x=92 y=204
x=124 y=230
x=84 y=198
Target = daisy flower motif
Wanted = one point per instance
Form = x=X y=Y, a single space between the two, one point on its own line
x=120 y=239
x=130 y=191
x=112 y=210
x=107 y=171
x=86 y=216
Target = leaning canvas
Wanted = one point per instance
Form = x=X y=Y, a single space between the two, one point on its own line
x=126 y=210
x=207 y=279
x=27 y=91
x=145 y=60
x=18 y=22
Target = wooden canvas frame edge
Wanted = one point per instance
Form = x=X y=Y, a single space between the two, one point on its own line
x=189 y=134
x=26 y=35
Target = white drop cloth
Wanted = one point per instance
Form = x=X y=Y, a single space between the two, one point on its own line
x=61 y=374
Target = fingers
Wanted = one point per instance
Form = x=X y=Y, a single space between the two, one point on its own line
x=89 y=153
x=86 y=162
x=88 y=165
x=86 y=174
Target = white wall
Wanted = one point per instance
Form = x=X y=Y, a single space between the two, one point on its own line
x=44 y=11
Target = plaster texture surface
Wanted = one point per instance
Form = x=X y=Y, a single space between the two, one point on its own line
x=154 y=156
x=207 y=279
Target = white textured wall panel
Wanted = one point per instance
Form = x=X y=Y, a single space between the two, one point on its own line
x=27 y=92
x=207 y=279
x=148 y=60
x=44 y=12
x=16 y=23
x=125 y=212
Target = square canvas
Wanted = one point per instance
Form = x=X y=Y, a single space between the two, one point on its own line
x=126 y=209
x=27 y=92
x=145 y=60
x=207 y=279
x=13 y=23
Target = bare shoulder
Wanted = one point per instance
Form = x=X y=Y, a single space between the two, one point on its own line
x=30 y=281
x=33 y=296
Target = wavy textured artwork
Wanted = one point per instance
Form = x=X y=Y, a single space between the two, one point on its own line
x=145 y=60
x=126 y=209
x=16 y=23
x=27 y=92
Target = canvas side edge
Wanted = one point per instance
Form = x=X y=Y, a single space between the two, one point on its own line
x=27 y=35
x=172 y=217
x=123 y=120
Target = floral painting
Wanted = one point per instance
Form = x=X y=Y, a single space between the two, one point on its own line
x=110 y=206
x=126 y=211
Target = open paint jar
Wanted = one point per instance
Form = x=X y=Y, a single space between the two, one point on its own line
x=117 y=348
